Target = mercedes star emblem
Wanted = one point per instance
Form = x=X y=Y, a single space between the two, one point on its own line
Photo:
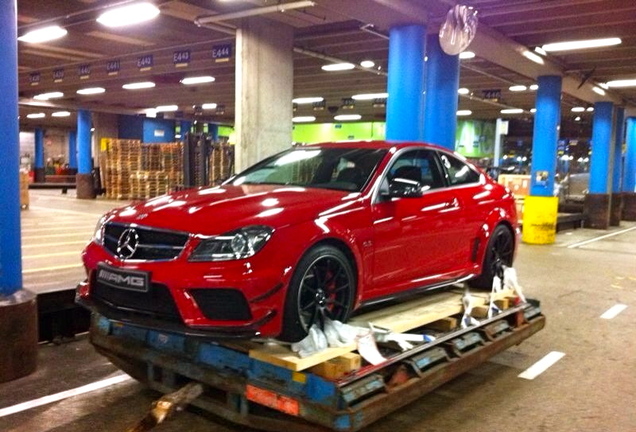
x=127 y=243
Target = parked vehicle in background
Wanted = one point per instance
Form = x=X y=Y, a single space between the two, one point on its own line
x=574 y=187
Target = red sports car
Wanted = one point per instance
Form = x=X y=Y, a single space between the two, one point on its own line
x=315 y=230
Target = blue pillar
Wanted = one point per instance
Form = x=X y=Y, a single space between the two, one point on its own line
x=39 y=148
x=619 y=139
x=545 y=136
x=84 y=156
x=72 y=149
x=213 y=130
x=442 y=83
x=629 y=173
x=601 y=138
x=10 y=252
x=405 y=83
x=185 y=126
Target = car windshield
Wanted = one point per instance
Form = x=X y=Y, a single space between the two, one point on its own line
x=347 y=169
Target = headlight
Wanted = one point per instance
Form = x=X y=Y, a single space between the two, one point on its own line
x=238 y=244
x=98 y=235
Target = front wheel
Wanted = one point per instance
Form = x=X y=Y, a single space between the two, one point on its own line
x=323 y=285
x=499 y=252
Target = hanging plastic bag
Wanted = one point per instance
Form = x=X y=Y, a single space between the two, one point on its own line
x=459 y=29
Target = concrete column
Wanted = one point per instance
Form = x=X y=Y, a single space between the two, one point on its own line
x=541 y=206
x=264 y=89
x=629 y=173
x=39 y=170
x=18 y=309
x=405 y=83
x=442 y=83
x=597 y=201
x=616 y=206
x=72 y=149
x=85 y=188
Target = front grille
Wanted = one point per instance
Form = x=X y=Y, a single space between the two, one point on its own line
x=153 y=244
x=223 y=304
x=157 y=302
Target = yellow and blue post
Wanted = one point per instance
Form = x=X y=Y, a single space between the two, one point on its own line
x=405 y=83
x=616 y=202
x=84 y=178
x=597 y=202
x=541 y=206
x=442 y=83
x=629 y=173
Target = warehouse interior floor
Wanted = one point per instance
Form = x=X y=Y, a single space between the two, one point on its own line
x=580 y=280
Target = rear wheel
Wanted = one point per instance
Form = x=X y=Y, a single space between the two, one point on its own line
x=323 y=285
x=499 y=253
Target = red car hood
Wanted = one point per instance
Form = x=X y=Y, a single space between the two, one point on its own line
x=212 y=211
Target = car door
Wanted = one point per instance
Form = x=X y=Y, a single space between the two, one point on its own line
x=412 y=235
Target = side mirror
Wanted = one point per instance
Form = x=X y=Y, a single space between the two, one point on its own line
x=404 y=188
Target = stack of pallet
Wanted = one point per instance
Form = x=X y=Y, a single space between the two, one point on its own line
x=221 y=162
x=24 y=190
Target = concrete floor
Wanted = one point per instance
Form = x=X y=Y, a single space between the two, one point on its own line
x=591 y=389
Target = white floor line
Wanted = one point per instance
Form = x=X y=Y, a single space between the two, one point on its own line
x=65 y=235
x=75 y=212
x=44 y=269
x=53 y=254
x=64 y=395
x=541 y=366
x=82 y=228
x=583 y=243
x=41 y=245
x=612 y=312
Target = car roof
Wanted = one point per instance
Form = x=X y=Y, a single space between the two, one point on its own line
x=378 y=144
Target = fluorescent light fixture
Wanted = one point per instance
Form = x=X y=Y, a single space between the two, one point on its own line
x=166 y=108
x=128 y=15
x=91 y=90
x=517 y=88
x=463 y=91
x=44 y=34
x=206 y=106
x=370 y=96
x=307 y=100
x=534 y=87
x=622 y=83
x=47 y=96
x=598 y=90
x=138 y=85
x=578 y=118
x=465 y=55
x=603 y=86
x=512 y=111
x=338 y=67
x=304 y=119
x=578 y=109
x=151 y=113
x=347 y=117
x=197 y=80
x=533 y=110
x=36 y=115
x=541 y=51
x=367 y=63
x=589 y=109
x=581 y=44
x=61 y=114
x=533 y=57
x=464 y=112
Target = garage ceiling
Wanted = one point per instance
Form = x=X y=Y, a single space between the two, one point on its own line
x=350 y=30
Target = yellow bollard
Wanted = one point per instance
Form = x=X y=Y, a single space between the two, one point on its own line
x=540 y=219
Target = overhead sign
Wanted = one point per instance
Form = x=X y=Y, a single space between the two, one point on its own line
x=181 y=58
x=222 y=53
x=145 y=62
x=58 y=75
x=84 y=71
x=34 y=78
x=113 y=67
x=493 y=94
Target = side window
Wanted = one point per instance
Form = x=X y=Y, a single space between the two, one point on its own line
x=459 y=172
x=420 y=166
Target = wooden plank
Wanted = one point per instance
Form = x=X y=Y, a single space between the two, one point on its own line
x=283 y=356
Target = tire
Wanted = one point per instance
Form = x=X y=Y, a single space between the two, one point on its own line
x=323 y=283
x=499 y=251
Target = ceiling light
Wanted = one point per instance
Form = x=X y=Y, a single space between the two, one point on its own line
x=465 y=55
x=166 y=108
x=338 y=67
x=129 y=14
x=533 y=57
x=578 y=109
x=198 y=80
x=598 y=90
x=44 y=34
x=307 y=100
x=151 y=113
x=589 y=109
x=138 y=85
x=91 y=90
x=347 y=117
x=61 y=114
x=517 y=88
x=208 y=106
x=463 y=91
x=464 y=112
x=534 y=87
x=533 y=110
x=36 y=115
x=304 y=119
x=603 y=86
x=512 y=111
x=582 y=44
x=621 y=83
x=541 y=51
x=47 y=96
x=577 y=119
x=367 y=63
x=370 y=96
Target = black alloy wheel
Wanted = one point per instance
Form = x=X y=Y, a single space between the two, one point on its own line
x=499 y=253
x=322 y=286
